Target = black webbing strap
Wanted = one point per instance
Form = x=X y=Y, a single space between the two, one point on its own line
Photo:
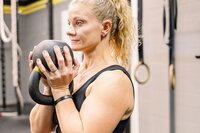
x=170 y=20
x=140 y=46
x=140 y=38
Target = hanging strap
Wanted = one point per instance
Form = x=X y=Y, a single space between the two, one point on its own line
x=141 y=62
x=169 y=26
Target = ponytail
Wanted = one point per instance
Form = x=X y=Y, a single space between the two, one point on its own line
x=122 y=33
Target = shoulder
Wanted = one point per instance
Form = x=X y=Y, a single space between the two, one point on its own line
x=114 y=79
x=115 y=85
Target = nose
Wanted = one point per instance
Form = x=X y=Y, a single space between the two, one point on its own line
x=71 y=31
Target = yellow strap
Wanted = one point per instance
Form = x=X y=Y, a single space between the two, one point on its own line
x=37 y=69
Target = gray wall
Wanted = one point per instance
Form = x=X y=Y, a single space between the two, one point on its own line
x=33 y=28
x=154 y=95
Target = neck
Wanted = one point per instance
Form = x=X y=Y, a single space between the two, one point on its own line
x=99 y=57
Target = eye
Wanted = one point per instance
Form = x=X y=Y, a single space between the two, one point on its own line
x=79 y=22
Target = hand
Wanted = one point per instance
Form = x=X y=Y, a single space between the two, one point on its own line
x=59 y=78
x=44 y=81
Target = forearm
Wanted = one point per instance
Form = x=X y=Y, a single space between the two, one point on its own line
x=68 y=116
x=41 y=117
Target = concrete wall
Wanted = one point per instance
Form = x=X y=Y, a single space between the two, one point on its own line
x=153 y=97
x=188 y=67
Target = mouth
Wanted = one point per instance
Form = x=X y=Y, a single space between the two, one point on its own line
x=74 y=41
x=73 y=38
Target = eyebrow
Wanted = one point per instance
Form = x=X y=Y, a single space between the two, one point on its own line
x=75 y=18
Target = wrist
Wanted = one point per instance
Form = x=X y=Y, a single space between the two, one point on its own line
x=57 y=93
x=62 y=98
x=59 y=89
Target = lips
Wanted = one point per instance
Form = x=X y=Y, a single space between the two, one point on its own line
x=74 y=41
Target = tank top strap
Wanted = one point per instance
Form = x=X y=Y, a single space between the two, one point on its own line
x=110 y=68
x=94 y=77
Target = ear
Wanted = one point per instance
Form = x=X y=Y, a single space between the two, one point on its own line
x=106 y=27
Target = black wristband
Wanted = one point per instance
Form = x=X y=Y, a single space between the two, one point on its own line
x=62 y=98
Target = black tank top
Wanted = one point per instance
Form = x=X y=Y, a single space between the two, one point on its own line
x=79 y=97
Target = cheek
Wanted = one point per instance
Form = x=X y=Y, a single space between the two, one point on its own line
x=91 y=35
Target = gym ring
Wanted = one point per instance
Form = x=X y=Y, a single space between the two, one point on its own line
x=172 y=79
x=148 y=73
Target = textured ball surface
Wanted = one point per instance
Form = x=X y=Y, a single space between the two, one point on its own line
x=48 y=45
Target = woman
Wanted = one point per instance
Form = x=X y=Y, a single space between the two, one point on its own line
x=103 y=96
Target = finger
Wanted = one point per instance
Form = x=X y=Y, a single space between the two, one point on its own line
x=49 y=61
x=31 y=65
x=68 y=57
x=30 y=55
x=42 y=68
x=34 y=47
x=60 y=58
x=30 y=61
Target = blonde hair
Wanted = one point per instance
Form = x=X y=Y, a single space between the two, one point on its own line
x=122 y=32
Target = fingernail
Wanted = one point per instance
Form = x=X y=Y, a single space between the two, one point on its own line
x=30 y=54
x=44 y=52
x=65 y=47
x=38 y=60
x=56 y=46
x=31 y=61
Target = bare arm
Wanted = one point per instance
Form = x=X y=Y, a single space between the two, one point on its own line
x=104 y=107
x=41 y=117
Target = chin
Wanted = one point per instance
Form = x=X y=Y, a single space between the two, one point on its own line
x=75 y=48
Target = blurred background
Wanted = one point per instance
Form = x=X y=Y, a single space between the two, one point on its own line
x=165 y=64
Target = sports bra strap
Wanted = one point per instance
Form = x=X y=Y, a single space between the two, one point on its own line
x=112 y=67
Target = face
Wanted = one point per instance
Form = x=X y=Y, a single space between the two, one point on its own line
x=84 y=28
